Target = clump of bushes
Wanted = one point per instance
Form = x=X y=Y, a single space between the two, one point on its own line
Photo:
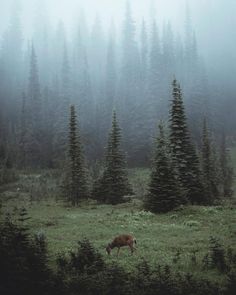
x=218 y=257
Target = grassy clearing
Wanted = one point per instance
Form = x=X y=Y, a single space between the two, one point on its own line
x=179 y=237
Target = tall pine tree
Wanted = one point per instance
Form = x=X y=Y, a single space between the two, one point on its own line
x=164 y=193
x=113 y=184
x=184 y=154
x=75 y=187
x=31 y=118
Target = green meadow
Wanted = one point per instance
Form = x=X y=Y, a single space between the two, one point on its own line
x=180 y=238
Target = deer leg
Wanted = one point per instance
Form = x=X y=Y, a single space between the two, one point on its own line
x=131 y=248
x=118 y=251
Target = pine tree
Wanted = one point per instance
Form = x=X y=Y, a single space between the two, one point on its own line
x=155 y=75
x=34 y=115
x=104 y=109
x=144 y=53
x=23 y=132
x=226 y=170
x=60 y=136
x=211 y=180
x=184 y=154
x=130 y=85
x=113 y=184
x=74 y=185
x=164 y=193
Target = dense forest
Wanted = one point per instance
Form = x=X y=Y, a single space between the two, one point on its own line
x=129 y=67
x=120 y=124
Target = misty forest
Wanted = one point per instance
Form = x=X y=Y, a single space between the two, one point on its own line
x=117 y=136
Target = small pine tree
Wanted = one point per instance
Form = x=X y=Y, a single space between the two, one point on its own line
x=164 y=193
x=113 y=184
x=184 y=155
x=226 y=170
x=74 y=184
x=209 y=169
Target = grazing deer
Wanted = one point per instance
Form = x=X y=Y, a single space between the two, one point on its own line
x=121 y=241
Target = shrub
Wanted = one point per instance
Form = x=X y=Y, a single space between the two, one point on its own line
x=87 y=260
x=217 y=255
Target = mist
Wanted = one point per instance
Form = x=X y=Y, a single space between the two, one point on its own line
x=105 y=54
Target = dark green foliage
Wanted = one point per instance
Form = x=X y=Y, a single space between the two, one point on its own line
x=31 y=119
x=75 y=187
x=226 y=170
x=7 y=172
x=117 y=280
x=113 y=184
x=61 y=120
x=86 y=260
x=184 y=156
x=217 y=255
x=164 y=193
x=82 y=270
x=23 y=268
x=231 y=283
x=209 y=168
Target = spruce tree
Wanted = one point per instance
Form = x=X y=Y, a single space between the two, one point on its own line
x=183 y=152
x=75 y=186
x=60 y=136
x=211 y=179
x=226 y=170
x=164 y=193
x=113 y=184
x=32 y=109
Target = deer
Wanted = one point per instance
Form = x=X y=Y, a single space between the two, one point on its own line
x=121 y=241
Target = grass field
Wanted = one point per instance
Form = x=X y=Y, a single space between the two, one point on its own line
x=179 y=237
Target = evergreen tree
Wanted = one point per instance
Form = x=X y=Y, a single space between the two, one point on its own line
x=184 y=155
x=155 y=75
x=107 y=101
x=23 y=132
x=74 y=185
x=211 y=180
x=164 y=192
x=96 y=55
x=34 y=116
x=130 y=80
x=113 y=184
x=227 y=172
x=24 y=260
x=34 y=91
x=144 y=53
x=168 y=52
x=48 y=128
x=11 y=59
x=111 y=75
x=60 y=136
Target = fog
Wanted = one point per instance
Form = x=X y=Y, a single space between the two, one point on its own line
x=214 y=20
x=102 y=54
